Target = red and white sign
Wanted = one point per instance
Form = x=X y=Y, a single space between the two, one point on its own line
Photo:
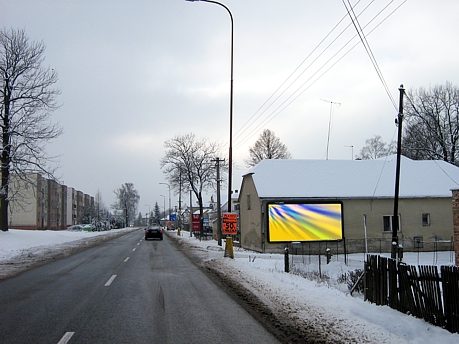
x=196 y=222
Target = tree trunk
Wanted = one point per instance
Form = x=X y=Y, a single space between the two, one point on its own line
x=5 y=159
x=4 y=200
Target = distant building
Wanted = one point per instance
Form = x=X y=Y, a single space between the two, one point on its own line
x=71 y=213
x=44 y=204
x=366 y=190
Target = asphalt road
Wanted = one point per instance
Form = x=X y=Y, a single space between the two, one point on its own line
x=126 y=290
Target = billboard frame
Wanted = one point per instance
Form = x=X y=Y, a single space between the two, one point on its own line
x=288 y=203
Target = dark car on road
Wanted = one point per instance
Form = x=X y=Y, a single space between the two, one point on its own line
x=154 y=232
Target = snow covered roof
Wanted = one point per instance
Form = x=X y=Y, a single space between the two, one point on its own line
x=353 y=178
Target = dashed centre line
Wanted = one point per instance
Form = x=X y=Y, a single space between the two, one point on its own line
x=65 y=339
x=110 y=281
x=68 y=335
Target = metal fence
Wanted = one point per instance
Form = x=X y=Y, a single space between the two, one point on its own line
x=371 y=245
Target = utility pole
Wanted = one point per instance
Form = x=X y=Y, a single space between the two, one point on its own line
x=329 y=121
x=180 y=201
x=219 y=209
x=397 y=175
x=191 y=214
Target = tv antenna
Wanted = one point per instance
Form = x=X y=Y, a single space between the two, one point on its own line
x=329 y=121
x=352 y=151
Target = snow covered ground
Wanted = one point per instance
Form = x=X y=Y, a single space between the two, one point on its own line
x=322 y=303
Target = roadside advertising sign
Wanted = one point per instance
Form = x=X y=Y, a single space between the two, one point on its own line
x=229 y=224
x=196 y=222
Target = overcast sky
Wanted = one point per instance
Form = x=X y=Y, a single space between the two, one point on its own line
x=135 y=73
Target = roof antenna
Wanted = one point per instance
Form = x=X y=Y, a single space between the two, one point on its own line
x=329 y=121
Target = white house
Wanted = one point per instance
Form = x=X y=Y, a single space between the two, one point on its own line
x=366 y=190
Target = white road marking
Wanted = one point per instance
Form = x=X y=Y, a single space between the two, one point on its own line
x=133 y=249
x=110 y=281
x=65 y=339
x=127 y=258
x=138 y=243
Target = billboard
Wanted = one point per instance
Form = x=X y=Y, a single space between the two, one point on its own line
x=311 y=221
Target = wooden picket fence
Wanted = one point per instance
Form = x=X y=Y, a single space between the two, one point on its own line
x=421 y=292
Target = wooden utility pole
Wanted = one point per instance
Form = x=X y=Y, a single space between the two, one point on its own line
x=397 y=176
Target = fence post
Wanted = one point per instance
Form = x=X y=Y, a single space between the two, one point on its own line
x=329 y=255
x=286 y=263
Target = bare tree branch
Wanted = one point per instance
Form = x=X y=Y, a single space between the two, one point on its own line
x=188 y=165
x=431 y=131
x=376 y=148
x=127 y=200
x=27 y=101
x=268 y=146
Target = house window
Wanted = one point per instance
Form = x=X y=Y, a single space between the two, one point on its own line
x=249 y=202
x=387 y=223
x=426 y=219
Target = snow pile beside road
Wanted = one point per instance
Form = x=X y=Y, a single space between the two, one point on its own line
x=21 y=250
x=320 y=307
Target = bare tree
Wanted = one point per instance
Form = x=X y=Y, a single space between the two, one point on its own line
x=188 y=165
x=376 y=148
x=100 y=210
x=127 y=200
x=27 y=99
x=431 y=127
x=268 y=146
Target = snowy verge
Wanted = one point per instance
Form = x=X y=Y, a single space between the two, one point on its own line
x=321 y=310
x=21 y=250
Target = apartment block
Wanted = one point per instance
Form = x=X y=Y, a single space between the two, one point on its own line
x=41 y=203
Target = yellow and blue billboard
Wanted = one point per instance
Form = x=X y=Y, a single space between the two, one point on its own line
x=288 y=222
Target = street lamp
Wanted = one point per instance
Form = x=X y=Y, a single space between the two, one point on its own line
x=230 y=155
x=164 y=199
x=149 y=210
x=169 y=187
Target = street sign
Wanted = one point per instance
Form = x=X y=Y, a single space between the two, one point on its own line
x=229 y=224
x=196 y=222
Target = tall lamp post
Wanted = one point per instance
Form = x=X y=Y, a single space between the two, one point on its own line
x=164 y=199
x=149 y=211
x=230 y=155
x=169 y=187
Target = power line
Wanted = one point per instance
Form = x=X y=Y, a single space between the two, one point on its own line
x=367 y=47
x=240 y=131
x=286 y=102
x=247 y=125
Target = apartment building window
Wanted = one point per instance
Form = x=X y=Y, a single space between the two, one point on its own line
x=426 y=219
x=387 y=223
